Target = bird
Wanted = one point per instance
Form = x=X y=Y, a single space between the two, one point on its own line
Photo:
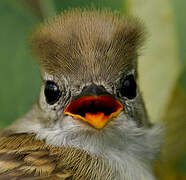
x=89 y=121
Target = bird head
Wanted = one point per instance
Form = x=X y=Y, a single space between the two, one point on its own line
x=90 y=97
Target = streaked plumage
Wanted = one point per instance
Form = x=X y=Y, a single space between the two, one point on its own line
x=79 y=43
x=23 y=157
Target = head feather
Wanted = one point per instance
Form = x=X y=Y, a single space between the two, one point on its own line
x=87 y=43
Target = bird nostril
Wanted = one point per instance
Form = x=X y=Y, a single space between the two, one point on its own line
x=94 y=90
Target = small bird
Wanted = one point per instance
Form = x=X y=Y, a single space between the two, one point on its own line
x=90 y=121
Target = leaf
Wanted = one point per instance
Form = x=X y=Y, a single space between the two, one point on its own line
x=47 y=8
x=179 y=17
x=159 y=66
x=41 y=8
x=172 y=160
x=111 y=4
x=19 y=77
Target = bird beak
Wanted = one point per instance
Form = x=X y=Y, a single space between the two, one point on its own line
x=95 y=109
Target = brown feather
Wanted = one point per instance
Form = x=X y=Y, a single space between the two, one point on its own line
x=24 y=157
x=79 y=43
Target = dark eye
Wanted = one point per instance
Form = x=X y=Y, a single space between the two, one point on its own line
x=52 y=92
x=128 y=88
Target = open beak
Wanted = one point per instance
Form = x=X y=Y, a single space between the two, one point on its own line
x=96 y=110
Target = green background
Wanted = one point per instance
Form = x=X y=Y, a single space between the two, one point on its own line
x=19 y=74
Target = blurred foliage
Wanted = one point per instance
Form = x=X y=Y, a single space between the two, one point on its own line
x=160 y=62
x=163 y=73
x=173 y=156
x=180 y=25
x=19 y=77
x=111 y=4
x=182 y=80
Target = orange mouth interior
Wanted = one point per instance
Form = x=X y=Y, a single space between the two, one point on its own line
x=96 y=110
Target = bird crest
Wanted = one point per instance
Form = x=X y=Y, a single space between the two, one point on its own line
x=81 y=43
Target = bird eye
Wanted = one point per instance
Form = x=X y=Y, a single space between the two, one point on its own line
x=52 y=92
x=128 y=88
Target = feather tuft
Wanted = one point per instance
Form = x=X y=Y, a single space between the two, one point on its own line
x=80 y=43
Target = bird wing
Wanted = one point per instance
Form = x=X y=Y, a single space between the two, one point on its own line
x=24 y=157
